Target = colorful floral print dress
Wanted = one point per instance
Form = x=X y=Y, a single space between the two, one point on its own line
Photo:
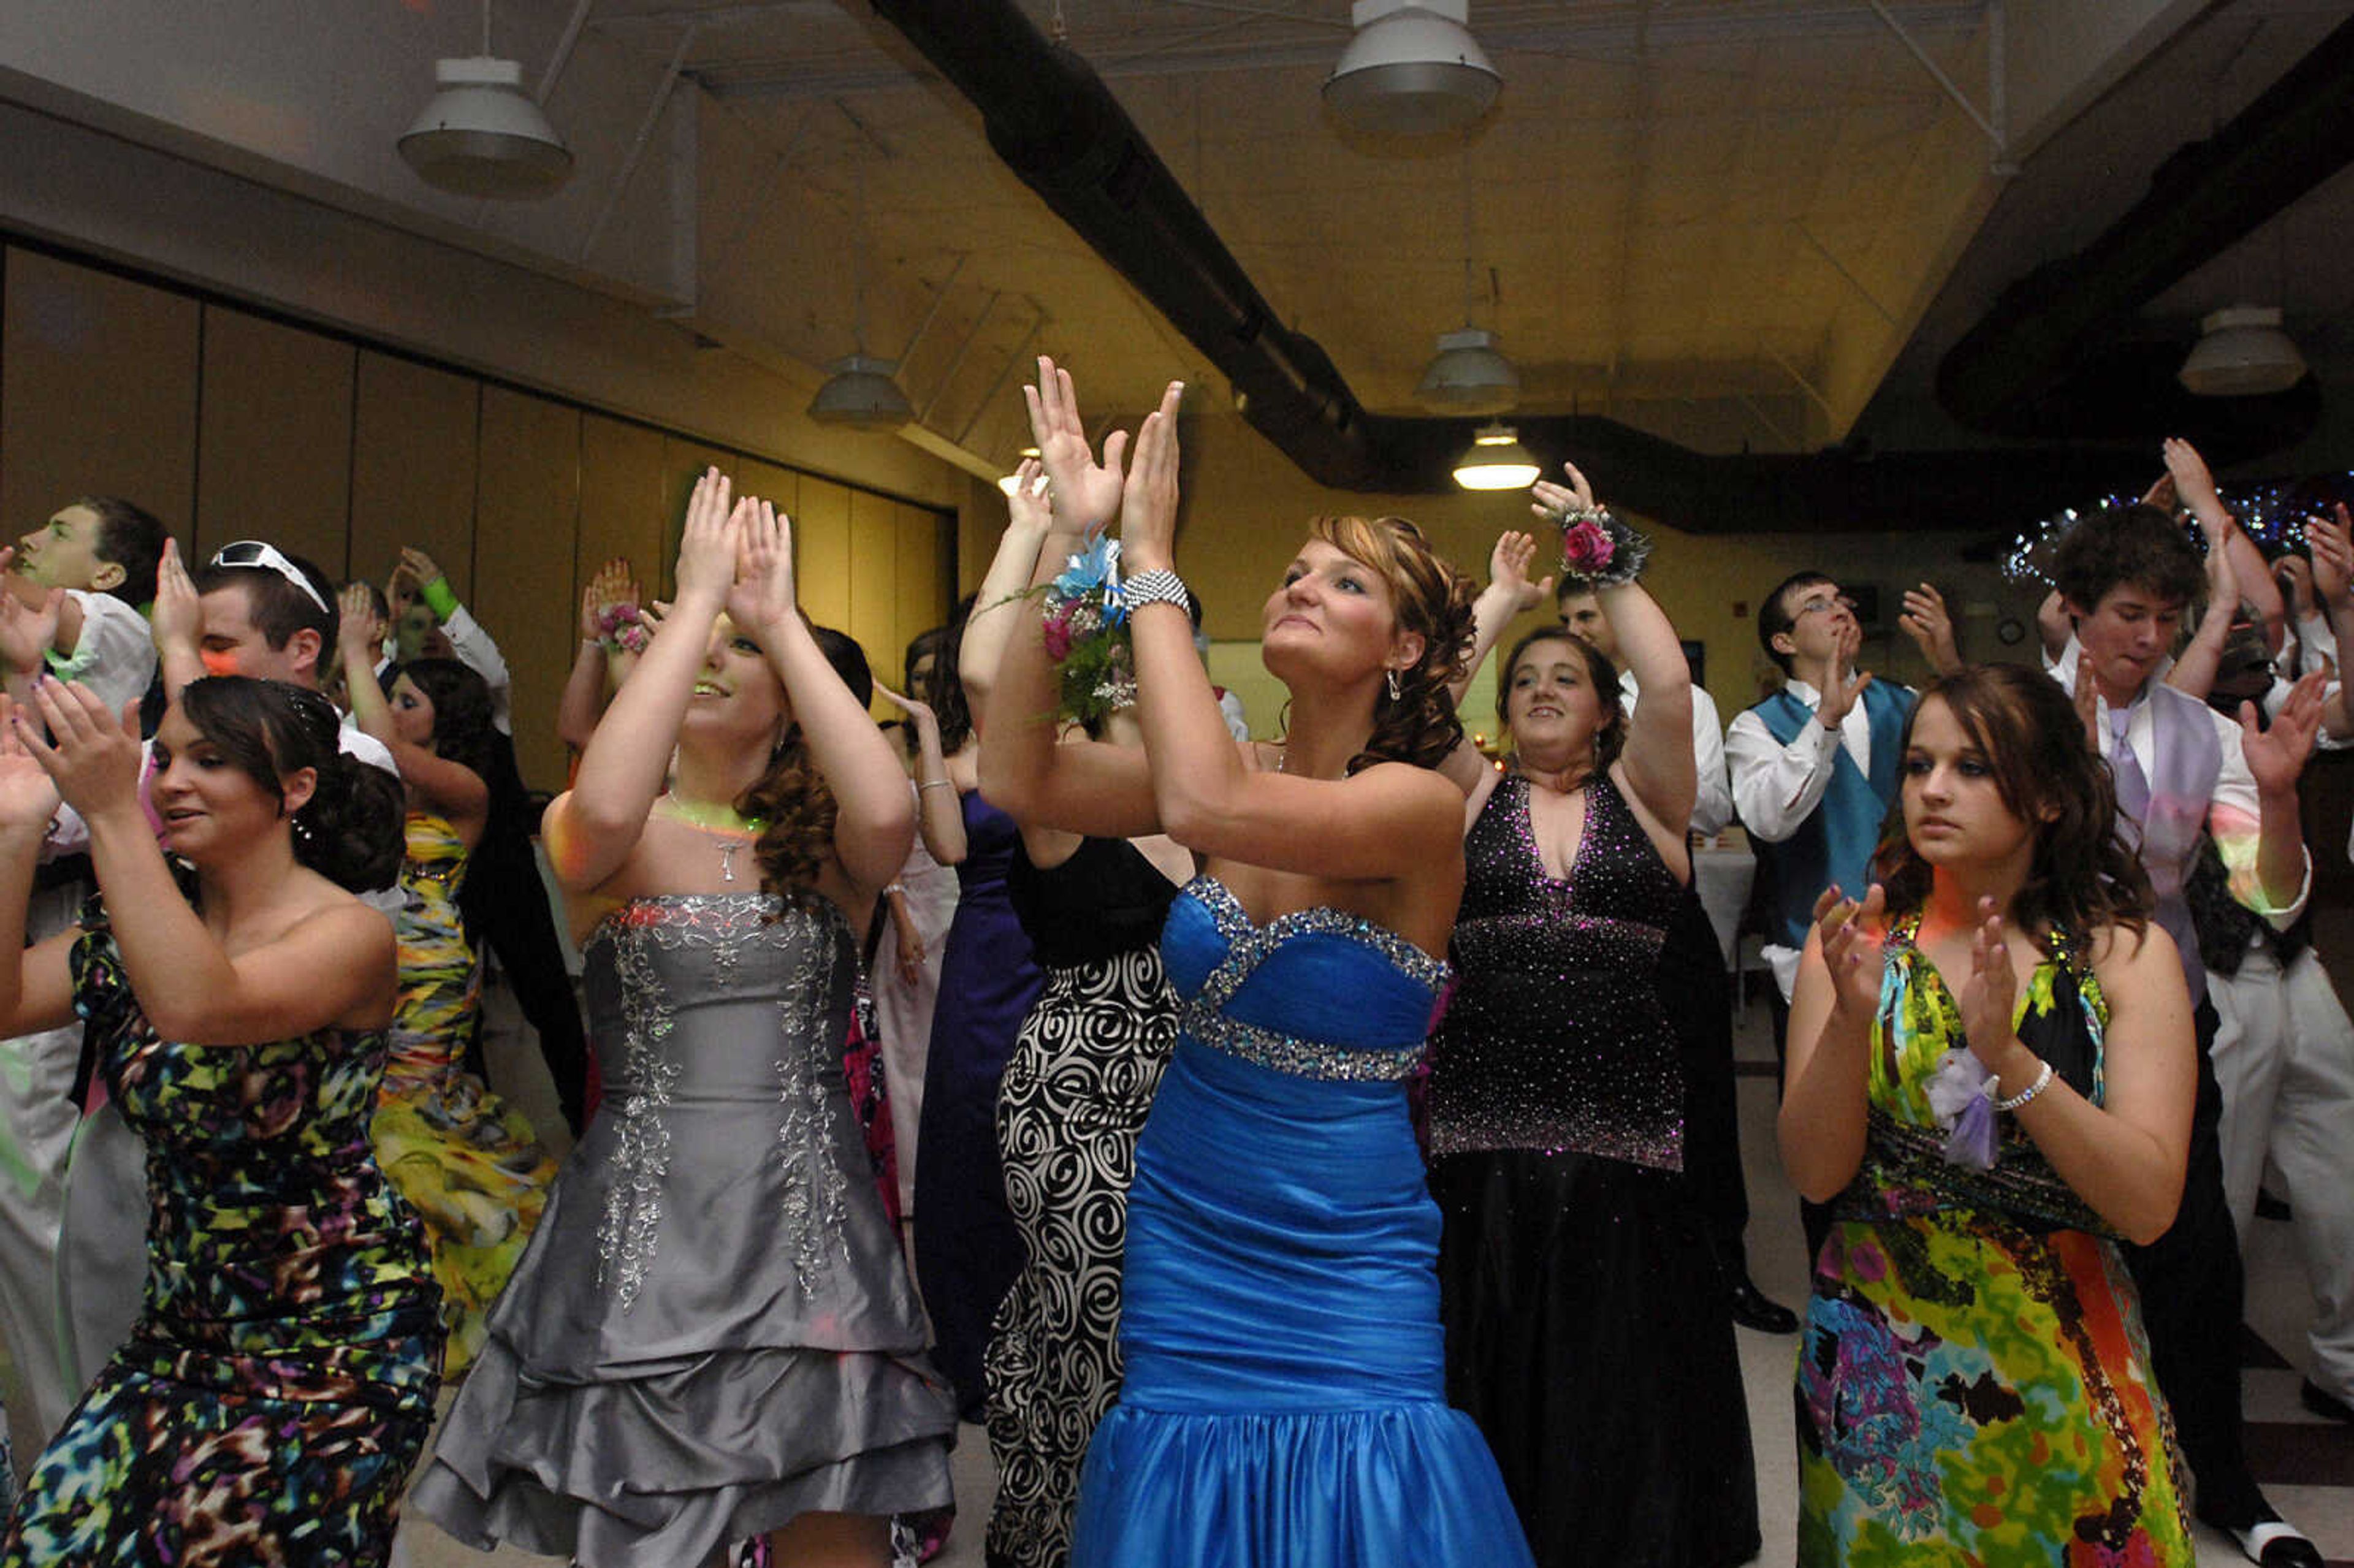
x=278 y=1384
x=1974 y=1386
x=468 y=1164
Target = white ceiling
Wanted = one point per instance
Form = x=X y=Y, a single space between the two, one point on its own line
x=1722 y=220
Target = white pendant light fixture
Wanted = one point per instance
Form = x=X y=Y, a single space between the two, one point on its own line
x=2241 y=352
x=859 y=391
x=1411 y=69
x=1469 y=375
x=482 y=135
x=1496 y=460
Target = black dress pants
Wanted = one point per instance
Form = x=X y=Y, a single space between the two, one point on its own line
x=1698 y=995
x=2192 y=1286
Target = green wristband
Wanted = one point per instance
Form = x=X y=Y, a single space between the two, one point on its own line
x=438 y=595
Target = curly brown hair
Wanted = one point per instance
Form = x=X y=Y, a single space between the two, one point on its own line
x=1428 y=596
x=794 y=794
x=2085 y=875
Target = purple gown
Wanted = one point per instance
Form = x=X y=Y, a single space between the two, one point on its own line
x=967 y=1249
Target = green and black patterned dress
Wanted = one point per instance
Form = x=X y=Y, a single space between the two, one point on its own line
x=278 y=1384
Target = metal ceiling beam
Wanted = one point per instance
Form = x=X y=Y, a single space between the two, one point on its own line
x=1546 y=30
x=2206 y=196
x=1058 y=129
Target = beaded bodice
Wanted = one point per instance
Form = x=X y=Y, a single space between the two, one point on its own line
x=1557 y=1039
x=1317 y=994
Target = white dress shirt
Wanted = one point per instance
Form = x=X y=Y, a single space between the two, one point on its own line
x=1713 y=806
x=1777 y=787
x=114 y=655
x=2234 y=792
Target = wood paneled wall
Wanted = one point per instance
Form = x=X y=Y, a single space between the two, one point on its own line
x=228 y=425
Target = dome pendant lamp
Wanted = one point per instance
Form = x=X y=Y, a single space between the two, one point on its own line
x=1496 y=461
x=482 y=135
x=2241 y=352
x=860 y=391
x=1411 y=69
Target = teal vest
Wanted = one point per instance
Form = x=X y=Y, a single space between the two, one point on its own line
x=1835 y=843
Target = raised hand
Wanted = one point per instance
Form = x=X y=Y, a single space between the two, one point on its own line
x=919 y=712
x=706 y=544
x=1990 y=997
x=1508 y=569
x=91 y=753
x=178 y=618
x=420 y=566
x=1852 y=950
x=26 y=635
x=1550 y=500
x=762 y=594
x=27 y=798
x=358 y=631
x=1846 y=684
x=2332 y=543
x=2192 y=483
x=613 y=583
x=1027 y=506
x=1084 y=494
x=2087 y=695
x=2276 y=754
x=1926 y=620
x=2161 y=493
x=2223 y=577
x=1148 y=505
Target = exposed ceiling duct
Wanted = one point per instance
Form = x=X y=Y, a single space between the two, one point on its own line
x=2039 y=361
x=1062 y=132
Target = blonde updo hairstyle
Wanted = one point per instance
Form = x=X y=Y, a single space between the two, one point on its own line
x=1430 y=596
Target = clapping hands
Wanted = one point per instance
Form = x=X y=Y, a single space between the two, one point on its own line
x=1848 y=932
x=1083 y=493
x=92 y=753
x=762 y=594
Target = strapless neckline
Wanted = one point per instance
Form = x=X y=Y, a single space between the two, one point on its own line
x=1235 y=924
x=715 y=910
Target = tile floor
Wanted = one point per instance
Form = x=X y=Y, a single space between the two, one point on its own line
x=2307 y=1466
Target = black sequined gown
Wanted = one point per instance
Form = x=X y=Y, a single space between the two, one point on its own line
x=1585 y=1329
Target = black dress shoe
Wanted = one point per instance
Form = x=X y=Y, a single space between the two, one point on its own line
x=2278 y=1545
x=2323 y=1403
x=1752 y=1309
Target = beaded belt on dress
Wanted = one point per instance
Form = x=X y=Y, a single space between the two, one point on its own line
x=1288 y=1053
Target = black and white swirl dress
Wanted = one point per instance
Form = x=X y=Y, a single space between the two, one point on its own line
x=1073 y=1098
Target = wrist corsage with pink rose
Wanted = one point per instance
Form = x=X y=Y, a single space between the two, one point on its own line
x=1598 y=550
x=619 y=627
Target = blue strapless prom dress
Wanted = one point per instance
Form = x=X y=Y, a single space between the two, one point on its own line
x=1285 y=1399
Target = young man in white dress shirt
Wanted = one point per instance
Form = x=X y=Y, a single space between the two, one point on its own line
x=1814 y=767
x=79 y=580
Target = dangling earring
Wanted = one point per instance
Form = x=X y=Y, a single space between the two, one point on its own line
x=1393 y=686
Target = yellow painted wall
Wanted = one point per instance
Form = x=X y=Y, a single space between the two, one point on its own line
x=233 y=426
x=1246 y=508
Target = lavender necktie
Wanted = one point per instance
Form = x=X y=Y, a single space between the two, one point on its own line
x=2133 y=785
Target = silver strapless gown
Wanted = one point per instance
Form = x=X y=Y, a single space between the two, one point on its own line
x=713 y=1330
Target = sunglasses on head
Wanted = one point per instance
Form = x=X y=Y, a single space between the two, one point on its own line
x=260 y=555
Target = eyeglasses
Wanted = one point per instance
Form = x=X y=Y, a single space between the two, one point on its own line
x=262 y=556
x=1823 y=604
